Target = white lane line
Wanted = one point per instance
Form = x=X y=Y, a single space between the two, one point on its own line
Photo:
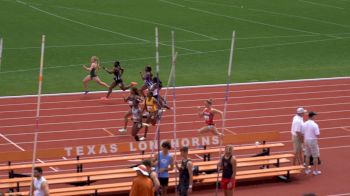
x=252 y=21
x=169 y=2
x=216 y=105
x=346 y=129
x=269 y=12
x=87 y=25
x=138 y=20
x=301 y=17
x=179 y=123
x=150 y=133
x=193 y=114
x=20 y=148
x=108 y=132
x=189 y=54
x=232 y=90
x=103 y=29
x=322 y=4
x=179 y=41
x=11 y=142
x=228 y=130
x=340 y=194
x=54 y=169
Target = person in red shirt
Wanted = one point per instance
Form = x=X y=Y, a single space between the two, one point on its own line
x=208 y=114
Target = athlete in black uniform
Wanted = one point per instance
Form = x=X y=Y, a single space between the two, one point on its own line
x=94 y=67
x=117 y=81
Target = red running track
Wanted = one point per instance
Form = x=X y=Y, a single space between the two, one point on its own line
x=71 y=120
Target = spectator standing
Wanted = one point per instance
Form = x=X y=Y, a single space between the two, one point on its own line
x=228 y=165
x=311 y=134
x=297 y=136
x=185 y=173
x=164 y=163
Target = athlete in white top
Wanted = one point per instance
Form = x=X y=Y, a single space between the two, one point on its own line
x=40 y=186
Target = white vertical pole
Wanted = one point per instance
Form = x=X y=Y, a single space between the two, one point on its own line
x=227 y=94
x=173 y=69
x=38 y=109
x=1 y=48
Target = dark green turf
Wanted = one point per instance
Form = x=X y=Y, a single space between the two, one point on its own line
x=276 y=40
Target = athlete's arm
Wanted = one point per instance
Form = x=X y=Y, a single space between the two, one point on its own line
x=108 y=70
x=87 y=68
x=200 y=112
x=45 y=188
x=190 y=172
x=155 y=180
x=234 y=165
x=215 y=111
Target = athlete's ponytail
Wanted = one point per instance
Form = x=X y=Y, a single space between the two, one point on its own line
x=210 y=101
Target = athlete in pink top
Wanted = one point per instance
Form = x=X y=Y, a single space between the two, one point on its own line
x=208 y=114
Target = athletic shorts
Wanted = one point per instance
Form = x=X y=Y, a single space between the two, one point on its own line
x=163 y=181
x=225 y=181
x=118 y=82
x=137 y=125
x=311 y=148
x=297 y=145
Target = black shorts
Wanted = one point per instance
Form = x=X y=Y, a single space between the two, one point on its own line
x=163 y=181
x=118 y=82
x=93 y=76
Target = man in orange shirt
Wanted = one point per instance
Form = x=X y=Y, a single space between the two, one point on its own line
x=142 y=184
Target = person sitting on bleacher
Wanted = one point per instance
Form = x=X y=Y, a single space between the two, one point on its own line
x=142 y=184
x=228 y=165
x=40 y=186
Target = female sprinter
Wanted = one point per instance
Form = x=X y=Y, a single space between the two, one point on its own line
x=118 y=72
x=134 y=96
x=94 y=67
x=146 y=76
x=137 y=119
x=208 y=114
x=151 y=107
x=156 y=92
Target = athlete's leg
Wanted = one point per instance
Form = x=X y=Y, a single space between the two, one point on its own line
x=110 y=89
x=97 y=79
x=85 y=82
x=204 y=130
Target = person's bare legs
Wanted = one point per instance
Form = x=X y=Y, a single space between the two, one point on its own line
x=203 y=130
x=85 y=82
x=126 y=118
x=110 y=89
x=164 y=190
x=97 y=79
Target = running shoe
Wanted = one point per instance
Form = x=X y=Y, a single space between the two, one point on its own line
x=133 y=83
x=316 y=172
x=142 y=139
x=122 y=130
x=104 y=98
x=86 y=92
x=307 y=171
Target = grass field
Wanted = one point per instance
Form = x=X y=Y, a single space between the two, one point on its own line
x=276 y=40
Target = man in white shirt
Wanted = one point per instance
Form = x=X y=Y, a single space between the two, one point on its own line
x=40 y=186
x=297 y=136
x=311 y=134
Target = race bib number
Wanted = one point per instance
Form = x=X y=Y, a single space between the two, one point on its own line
x=130 y=102
x=206 y=117
x=149 y=108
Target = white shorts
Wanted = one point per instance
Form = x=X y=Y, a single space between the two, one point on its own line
x=311 y=148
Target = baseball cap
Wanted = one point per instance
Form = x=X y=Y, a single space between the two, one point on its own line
x=311 y=114
x=142 y=169
x=301 y=111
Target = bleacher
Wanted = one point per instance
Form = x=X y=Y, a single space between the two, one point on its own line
x=119 y=180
